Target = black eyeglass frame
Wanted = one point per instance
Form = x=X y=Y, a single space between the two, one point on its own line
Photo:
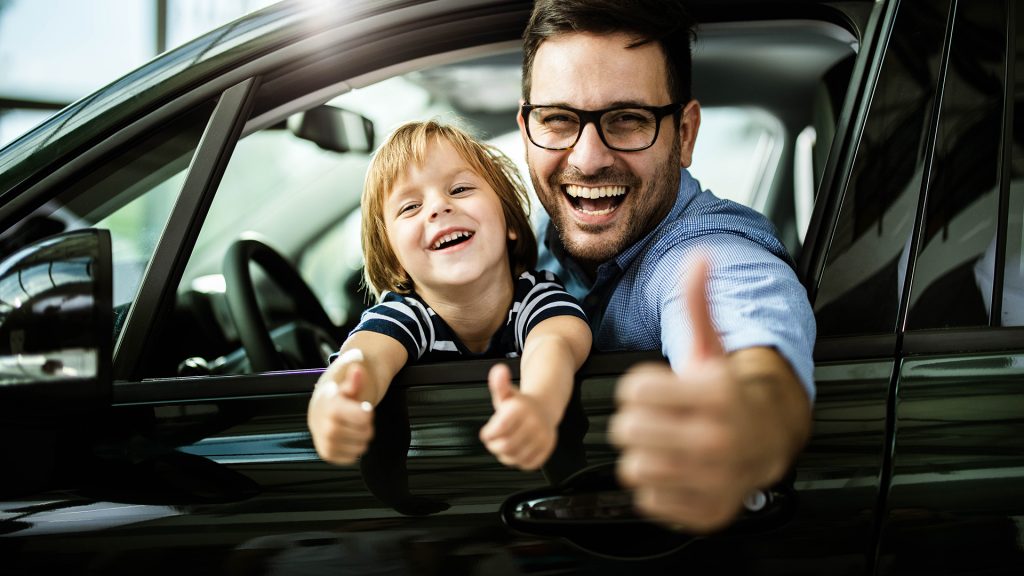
x=594 y=117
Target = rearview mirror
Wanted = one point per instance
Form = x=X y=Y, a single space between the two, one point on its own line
x=334 y=129
x=56 y=324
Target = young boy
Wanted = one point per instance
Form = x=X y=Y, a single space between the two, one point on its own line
x=449 y=253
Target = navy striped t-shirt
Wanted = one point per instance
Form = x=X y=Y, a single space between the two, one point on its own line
x=537 y=296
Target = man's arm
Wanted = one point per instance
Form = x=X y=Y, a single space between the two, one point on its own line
x=694 y=443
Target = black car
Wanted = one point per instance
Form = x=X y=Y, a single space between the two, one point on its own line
x=153 y=384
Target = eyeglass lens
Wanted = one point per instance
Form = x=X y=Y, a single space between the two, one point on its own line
x=622 y=128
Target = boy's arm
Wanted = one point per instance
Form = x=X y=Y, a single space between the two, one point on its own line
x=554 y=350
x=523 y=430
x=340 y=414
x=382 y=358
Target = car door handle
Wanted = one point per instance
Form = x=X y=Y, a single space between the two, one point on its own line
x=593 y=511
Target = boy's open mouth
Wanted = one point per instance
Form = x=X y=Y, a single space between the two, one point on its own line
x=451 y=239
x=595 y=200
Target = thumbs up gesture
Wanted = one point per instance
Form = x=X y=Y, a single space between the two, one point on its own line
x=520 y=434
x=340 y=422
x=694 y=443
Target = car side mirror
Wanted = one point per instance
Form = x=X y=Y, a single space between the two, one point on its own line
x=56 y=325
x=334 y=129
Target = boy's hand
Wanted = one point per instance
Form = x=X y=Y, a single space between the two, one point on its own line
x=341 y=424
x=520 y=433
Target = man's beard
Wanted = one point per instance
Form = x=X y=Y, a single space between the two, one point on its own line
x=649 y=206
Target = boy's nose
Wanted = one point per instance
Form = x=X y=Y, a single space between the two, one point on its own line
x=440 y=208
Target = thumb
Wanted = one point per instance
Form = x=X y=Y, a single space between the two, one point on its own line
x=706 y=342
x=499 y=380
x=352 y=386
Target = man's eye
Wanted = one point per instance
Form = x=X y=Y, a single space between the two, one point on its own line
x=628 y=119
x=555 y=121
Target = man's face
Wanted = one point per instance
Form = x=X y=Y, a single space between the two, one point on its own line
x=600 y=200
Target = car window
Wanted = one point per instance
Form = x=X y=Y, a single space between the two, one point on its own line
x=130 y=194
x=303 y=200
x=952 y=280
x=860 y=288
x=738 y=153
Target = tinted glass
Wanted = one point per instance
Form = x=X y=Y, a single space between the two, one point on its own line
x=130 y=193
x=859 y=289
x=1013 y=278
x=951 y=273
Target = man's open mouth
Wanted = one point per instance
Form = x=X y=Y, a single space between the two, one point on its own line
x=451 y=239
x=595 y=200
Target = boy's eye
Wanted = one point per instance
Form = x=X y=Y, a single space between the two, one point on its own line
x=407 y=208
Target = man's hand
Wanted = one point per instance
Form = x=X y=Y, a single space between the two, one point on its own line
x=340 y=423
x=695 y=443
x=520 y=433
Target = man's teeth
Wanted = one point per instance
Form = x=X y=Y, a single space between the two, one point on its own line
x=594 y=192
x=450 y=238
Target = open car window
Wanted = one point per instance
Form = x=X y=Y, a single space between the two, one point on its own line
x=299 y=193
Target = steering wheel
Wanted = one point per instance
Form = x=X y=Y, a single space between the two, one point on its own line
x=313 y=331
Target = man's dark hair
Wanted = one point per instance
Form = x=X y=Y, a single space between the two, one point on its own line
x=663 y=21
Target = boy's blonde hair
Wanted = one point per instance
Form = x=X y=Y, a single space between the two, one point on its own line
x=407 y=146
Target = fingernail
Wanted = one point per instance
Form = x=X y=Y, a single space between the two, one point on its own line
x=366 y=406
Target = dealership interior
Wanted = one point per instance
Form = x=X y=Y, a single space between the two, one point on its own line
x=53 y=52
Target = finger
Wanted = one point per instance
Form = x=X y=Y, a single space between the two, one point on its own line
x=658 y=469
x=688 y=434
x=352 y=385
x=505 y=423
x=523 y=456
x=347 y=432
x=695 y=511
x=343 y=453
x=499 y=381
x=351 y=413
x=536 y=457
x=657 y=386
x=706 y=342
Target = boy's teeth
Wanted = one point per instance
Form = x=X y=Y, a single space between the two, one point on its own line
x=449 y=237
x=594 y=192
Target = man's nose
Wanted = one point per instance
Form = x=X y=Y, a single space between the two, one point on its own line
x=590 y=155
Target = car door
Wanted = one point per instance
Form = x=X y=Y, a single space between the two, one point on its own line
x=956 y=490
x=918 y=284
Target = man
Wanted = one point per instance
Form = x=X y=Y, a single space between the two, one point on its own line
x=609 y=125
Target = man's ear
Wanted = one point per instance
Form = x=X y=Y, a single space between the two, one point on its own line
x=689 y=125
x=520 y=123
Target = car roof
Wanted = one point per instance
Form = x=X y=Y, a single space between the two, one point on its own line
x=315 y=24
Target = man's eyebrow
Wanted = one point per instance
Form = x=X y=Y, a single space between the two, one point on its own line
x=615 y=104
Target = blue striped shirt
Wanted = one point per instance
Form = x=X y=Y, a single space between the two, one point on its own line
x=636 y=301
x=537 y=296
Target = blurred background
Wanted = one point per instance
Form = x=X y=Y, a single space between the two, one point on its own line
x=53 y=52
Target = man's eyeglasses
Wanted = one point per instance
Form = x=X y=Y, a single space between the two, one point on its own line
x=626 y=129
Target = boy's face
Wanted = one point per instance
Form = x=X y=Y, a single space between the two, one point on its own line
x=600 y=200
x=446 y=225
